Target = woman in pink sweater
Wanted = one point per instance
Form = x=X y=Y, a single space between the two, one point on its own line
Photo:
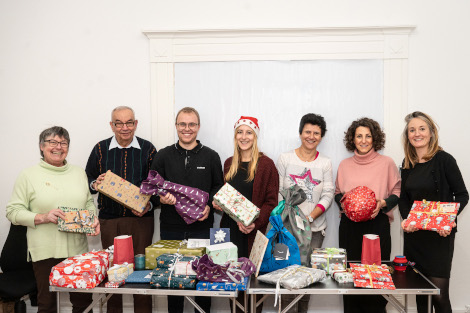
x=378 y=172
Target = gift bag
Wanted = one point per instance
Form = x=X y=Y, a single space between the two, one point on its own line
x=295 y=221
x=278 y=234
x=123 y=250
x=190 y=202
x=371 y=250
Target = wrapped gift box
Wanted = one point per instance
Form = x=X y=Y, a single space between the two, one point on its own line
x=372 y=276
x=223 y=252
x=432 y=215
x=165 y=278
x=170 y=247
x=168 y=260
x=83 y=271
x=76 y=220
x=120 y=272
x=114 y=284
x=236 y=205
x=229 y=286
x=329 y=259
x=123 y=192
x=343 y=277
x=293 y=277
x=139 y=277
x=190 y=202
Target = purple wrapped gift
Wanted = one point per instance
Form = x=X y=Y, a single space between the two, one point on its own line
x=190 y=202
x=229 y=272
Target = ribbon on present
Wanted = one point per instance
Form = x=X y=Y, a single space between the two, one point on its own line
x=432 y=209
x=288 y=273
x=190 y=202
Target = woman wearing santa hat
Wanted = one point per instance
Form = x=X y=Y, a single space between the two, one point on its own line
x=311 y=170
x=255 y=176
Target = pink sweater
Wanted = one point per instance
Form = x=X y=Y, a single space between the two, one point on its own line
x=373 y=170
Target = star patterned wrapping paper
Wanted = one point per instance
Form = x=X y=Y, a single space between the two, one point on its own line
x=124 y=192
x=236 y=205
x=166 y=278
x=76 y=220
x=169 y=246
x=359 y=203
x=432 y=215
x=190 y=201
x=372 y=276
x=82 y=271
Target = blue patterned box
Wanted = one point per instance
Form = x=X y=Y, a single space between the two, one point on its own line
x=228 y=286
x=139 y=277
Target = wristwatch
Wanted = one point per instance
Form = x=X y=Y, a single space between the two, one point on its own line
x=310 y=219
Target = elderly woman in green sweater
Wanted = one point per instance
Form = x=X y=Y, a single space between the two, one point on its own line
x=38 y=193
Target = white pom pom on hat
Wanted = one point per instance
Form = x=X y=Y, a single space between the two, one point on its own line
x=249 y=121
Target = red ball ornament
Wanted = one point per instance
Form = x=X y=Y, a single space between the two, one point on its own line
x=359 y=203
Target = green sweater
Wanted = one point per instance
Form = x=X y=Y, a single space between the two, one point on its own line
x=44 y=187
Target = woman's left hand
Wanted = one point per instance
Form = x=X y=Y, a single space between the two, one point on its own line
x=445 y=233
x=246 y=229
x=96 y=226
x=380 y=204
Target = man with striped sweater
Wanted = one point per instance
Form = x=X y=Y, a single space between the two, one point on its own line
x=129 y=157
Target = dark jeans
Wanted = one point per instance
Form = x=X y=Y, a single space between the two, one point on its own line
x=176 y=303
x=47 y=301
x=141 y=230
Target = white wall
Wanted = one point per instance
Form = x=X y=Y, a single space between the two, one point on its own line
x=70 y=62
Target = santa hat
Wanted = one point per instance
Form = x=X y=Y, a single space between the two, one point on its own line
x=249 y=121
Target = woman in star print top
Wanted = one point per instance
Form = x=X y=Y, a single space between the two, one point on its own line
x=311 y=170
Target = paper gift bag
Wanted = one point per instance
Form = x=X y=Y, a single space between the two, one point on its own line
x=123 y=250
x=371 y=249
x=190 y=202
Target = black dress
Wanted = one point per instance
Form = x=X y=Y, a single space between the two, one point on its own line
x=438 y=179
x=246 y=189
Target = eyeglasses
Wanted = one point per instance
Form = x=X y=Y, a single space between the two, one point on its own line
x=121 y=124
x=184 y=125
x=53 y=143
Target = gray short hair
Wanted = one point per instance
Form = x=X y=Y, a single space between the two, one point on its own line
x=52 y=132
x=120 y=108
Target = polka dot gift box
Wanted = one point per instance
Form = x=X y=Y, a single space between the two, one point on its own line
x=359 y=203
x=82 y=271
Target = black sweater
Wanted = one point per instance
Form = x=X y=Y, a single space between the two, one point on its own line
x=448 y=184
x=132 y=164
x=200 y=168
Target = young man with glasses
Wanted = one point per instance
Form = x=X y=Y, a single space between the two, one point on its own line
x=129 y=157
x=190 y=163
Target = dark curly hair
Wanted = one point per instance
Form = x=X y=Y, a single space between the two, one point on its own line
x=378 y=136
x=314 y=119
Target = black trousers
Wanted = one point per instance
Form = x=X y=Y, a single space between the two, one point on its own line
x=176 y=303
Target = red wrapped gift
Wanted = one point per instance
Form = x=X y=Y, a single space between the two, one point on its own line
x=372 y=276
x=359 y=203
x=82 y=271
x=432 y=215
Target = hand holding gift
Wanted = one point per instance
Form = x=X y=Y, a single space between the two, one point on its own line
x=189 y=202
